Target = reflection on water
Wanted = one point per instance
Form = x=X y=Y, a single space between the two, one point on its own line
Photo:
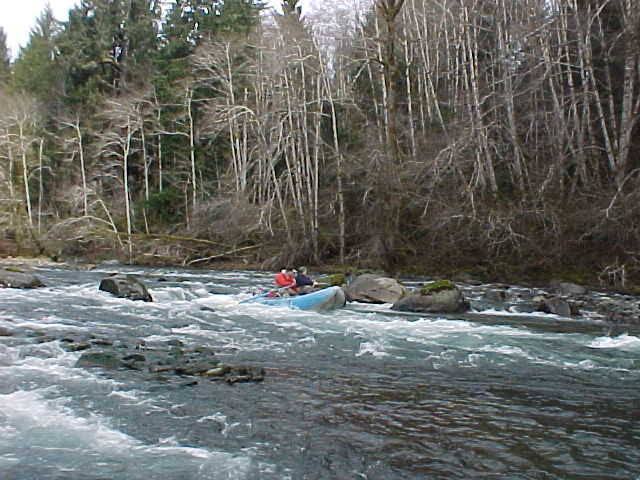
x=359 y=393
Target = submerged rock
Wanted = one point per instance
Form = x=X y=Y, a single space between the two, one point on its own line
x=204 y=351
x=11 y=279
x=245 y=374
x=135 y=357
x=135 y=361
x=218 y=371
x=167 y=358
x=77 y=347
x=99 y=359
x=125 y=286
x=200 y=368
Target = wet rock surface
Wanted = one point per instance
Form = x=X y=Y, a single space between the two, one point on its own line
x=126 y=286
x=16 y=279
x=450 y=300
x=369 y=288
x=566 y=301
x=167 y=362
x=159 y=360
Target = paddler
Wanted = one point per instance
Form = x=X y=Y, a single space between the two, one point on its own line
x=286 y=278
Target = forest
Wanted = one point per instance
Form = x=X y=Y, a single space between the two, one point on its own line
x=493 y=137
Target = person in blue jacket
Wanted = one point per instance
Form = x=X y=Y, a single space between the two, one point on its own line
x=304 y=283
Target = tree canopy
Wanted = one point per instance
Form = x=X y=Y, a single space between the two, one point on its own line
x=415 y=134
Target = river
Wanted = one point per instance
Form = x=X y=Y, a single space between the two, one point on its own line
x=360 y=393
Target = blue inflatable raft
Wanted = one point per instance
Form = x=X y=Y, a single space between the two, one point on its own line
x=321 y=301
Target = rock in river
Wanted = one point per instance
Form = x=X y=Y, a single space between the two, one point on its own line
x=369 y=288
x=436 y=297
x=99 y=359
x=558 y=306
x=126 y=286
x=19 y=280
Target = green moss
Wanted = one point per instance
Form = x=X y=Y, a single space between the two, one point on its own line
x=335 y=280
x=14 y=269
x=437 y=286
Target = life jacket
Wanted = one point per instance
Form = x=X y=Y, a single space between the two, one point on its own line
x=283 y=281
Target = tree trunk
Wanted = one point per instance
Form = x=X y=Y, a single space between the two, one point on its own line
x=83 y=170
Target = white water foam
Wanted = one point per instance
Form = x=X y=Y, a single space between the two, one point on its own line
x=29 y=413
x=514 y=313
x=173 y=294
x=585 y=365
x=50 y=322
x=517 y=352
x=215 y=417
x=47 y=361
x=429 y=330
x=622 y=342
x=126 y=394
x=504 y=349
x=374 y=349
x=37 y=424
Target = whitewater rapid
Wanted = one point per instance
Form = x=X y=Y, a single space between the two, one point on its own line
x=362 y=392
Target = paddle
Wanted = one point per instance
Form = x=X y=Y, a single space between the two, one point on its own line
x=233 y=304
x=264 y=294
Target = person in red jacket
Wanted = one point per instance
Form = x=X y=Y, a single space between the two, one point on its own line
x=286 y=278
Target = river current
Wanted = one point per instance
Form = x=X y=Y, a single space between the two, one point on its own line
x=359 y=393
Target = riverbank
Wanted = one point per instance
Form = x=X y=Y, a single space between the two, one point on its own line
x=592 y=302
x=500 y=272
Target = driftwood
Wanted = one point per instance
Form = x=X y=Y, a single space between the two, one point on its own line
x=224 y=254
x=183 y=239
x=163 y=237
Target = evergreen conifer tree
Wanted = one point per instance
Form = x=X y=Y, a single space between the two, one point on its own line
x=35 y=69
x=188 y=25
x=5 y=58
x=107 y=47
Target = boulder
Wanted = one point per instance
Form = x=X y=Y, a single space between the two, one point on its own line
x=492 y=299
x=558 y=306
x=566 y=288
x=12 y=279
x=125 y=286
x=437 y=297
x=369 y=288
x=626 y=316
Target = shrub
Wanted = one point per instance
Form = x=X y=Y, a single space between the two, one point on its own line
x=437 y=286
x=164 y=207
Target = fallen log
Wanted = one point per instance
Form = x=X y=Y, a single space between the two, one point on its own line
x=163 y=237
x=220 y=255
